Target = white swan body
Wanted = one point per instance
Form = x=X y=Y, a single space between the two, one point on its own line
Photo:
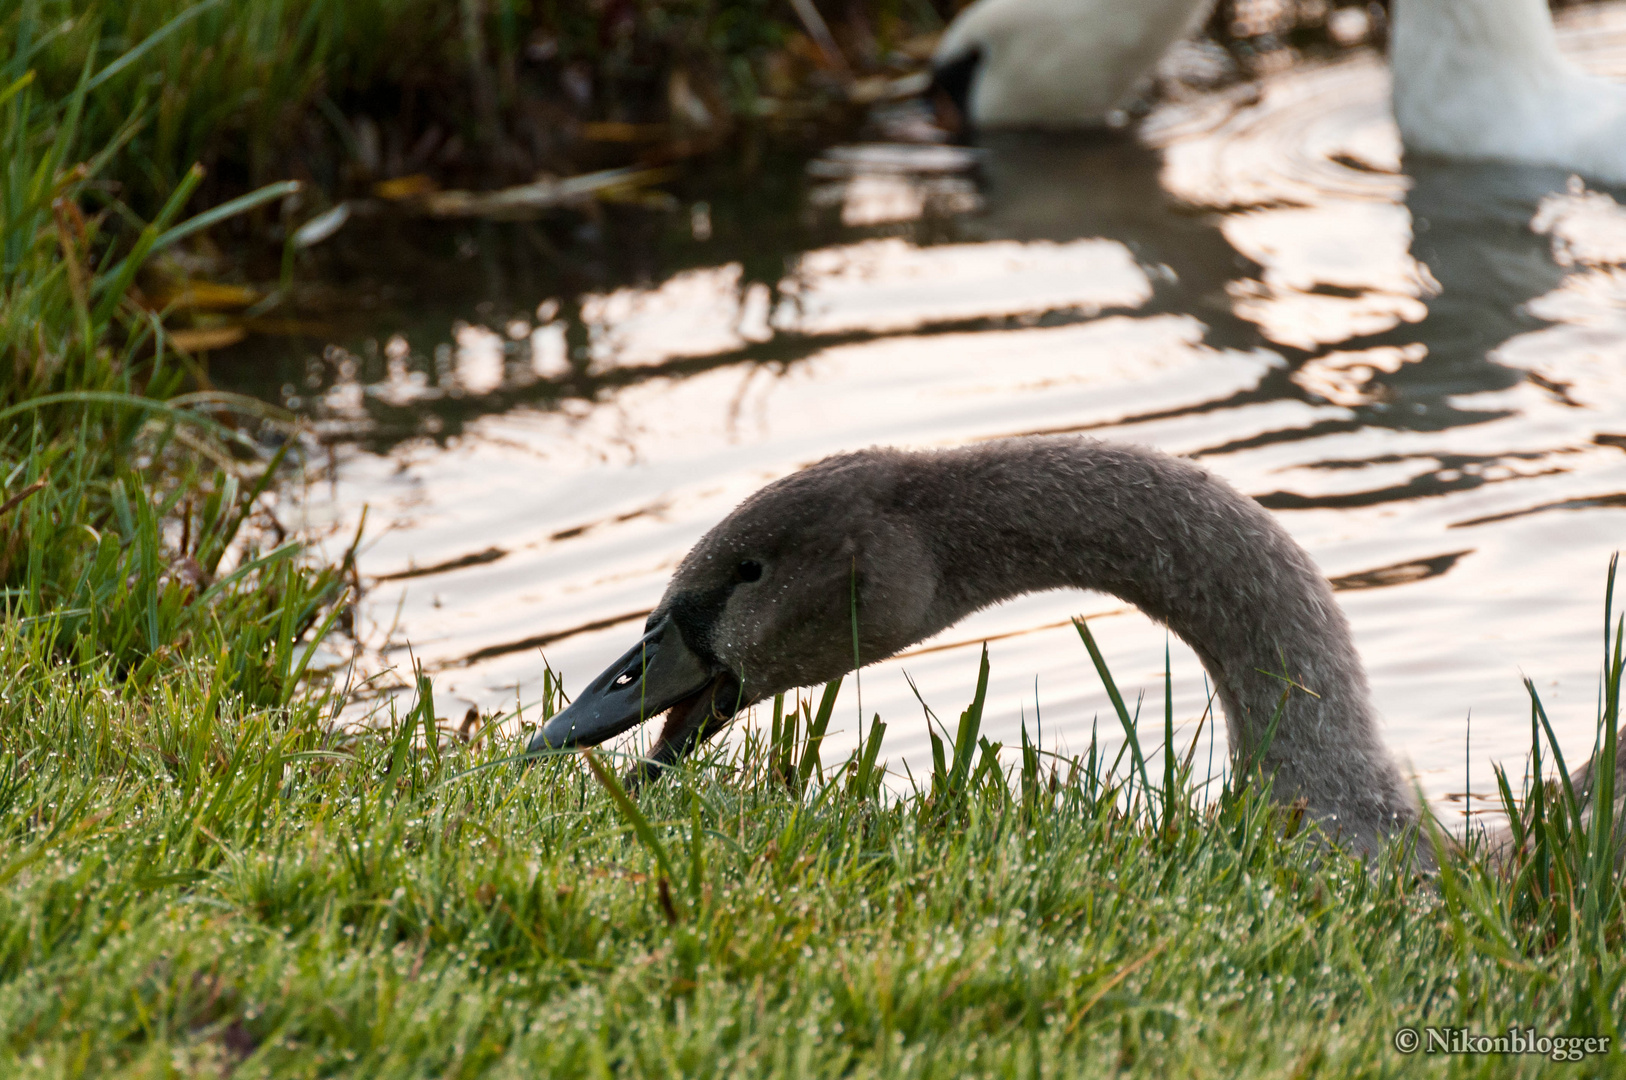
x=1484 y=79
x=1056 y=63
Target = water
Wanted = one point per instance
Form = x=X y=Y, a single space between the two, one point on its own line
x=1421 y=369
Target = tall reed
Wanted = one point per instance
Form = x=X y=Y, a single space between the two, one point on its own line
x=127 y=498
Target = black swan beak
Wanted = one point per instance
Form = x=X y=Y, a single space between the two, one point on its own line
x=654 y=675
x=950 y=93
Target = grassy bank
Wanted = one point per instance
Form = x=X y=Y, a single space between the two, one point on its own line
x=133 y=533
x=197 y=886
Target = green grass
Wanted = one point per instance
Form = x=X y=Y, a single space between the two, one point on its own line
x=199 y=886
x=132 y=535
x=278 y=89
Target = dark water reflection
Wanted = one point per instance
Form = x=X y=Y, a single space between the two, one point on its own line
x=1471 y=229
x=1421 y=366
x=1040 y=187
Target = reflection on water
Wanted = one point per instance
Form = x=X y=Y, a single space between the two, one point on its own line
x=1420 y=366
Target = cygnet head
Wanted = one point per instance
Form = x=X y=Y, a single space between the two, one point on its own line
x=815 y=571
x=775 y=591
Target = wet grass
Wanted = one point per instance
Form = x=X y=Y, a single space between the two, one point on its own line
x=196 y=885
x=136 y=527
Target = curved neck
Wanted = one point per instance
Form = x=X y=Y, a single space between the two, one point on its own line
x=1188 y=550
x=1509 y=27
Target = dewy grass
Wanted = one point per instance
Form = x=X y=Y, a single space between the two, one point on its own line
x=211 y=886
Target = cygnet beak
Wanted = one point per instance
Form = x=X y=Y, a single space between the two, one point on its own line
x=657 y=673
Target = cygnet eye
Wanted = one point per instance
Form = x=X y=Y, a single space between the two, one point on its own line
x=749 y=570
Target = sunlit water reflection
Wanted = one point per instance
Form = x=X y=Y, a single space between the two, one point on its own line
x=1420 y=367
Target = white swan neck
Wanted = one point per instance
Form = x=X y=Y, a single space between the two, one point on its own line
x=1484 y=79
x=1063 y=63
x=1518 y=32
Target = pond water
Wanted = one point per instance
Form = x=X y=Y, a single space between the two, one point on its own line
x=1420 y=367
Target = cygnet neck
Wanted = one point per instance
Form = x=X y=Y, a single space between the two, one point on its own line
x=1028 y=515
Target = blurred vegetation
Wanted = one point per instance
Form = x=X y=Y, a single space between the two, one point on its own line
x=344 y=92
x=478 y=93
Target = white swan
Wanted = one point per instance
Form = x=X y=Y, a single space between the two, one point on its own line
x=1485 y=79
x=1055 y=63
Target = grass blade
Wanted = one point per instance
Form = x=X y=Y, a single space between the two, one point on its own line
x=815 y=735
x=632 y=815
x=1130 y=736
